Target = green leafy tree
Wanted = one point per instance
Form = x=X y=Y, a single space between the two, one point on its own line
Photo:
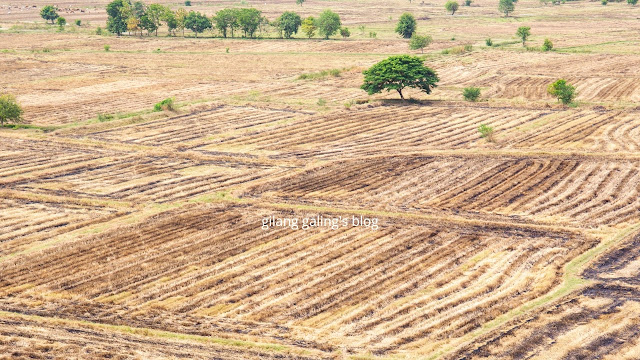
x=451 y=6
x=328 y=23
x=547 y=45
x=397 y=73
x=10 y=110
x=344 y=32
x=61 y=22
x=197 y=22
x=419 y=42
x=249 y=20
x=49 y=13
x=171 y=21
x=632 y=2
x=523 y=33
x=562 y=90
x=147 y=24
x=118 y=12
x=289 y=23
x=138 y=9
x=506 y=6
x=406 y=25
x=299 y=2
x=225 y=20
x=309 y=27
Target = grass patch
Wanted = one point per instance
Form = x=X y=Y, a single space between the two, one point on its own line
x=321 y=74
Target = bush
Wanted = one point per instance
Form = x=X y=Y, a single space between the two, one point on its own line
x=467 y=2
x=10 y=110
x=322 y=102
x=563 y=91
x=471 y=93
x=632 y=2
x=419 y=42
x=104 y=117
x=166 y=104
x=604 y=2
x=489 y=42
x=107 y=47
x=345 y=33
x=468 y=48
x=61 y=22
x=99 y=31
x=78 y=22
x=373 y=34
x=486 y=132
x=187 y=3
x=547 y=46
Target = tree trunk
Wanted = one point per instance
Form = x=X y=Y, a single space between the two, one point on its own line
x=400 y=92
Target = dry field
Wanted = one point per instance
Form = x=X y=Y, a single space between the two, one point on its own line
x=133 y=234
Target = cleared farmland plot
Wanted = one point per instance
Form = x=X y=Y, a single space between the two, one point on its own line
x=573 y=191
x=127 y=233
x=385 y=290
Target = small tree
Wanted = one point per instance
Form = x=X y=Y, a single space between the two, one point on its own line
x=197 y=22
x=78 y=22
x=156 y=13
x=171 y=21
x=406 y=25
x=309 y=26
x=344 y=32
x=471 y=93
x=10 y=110
x=632 y=2
x=506 y=6
x=563 y=91
x=451 y=6
x=547 y=46
x=467 y=2
x=133 y=25
x=523 y=33
x=299 y=2
x=486 y=132
x=397 y=73
x=61 y=22
x=288 y=23
x=489 y=42
x=328 y=23
x=180 y=15
x=419 y=42
x=49 y=13
x=226 y=19
x=187 y=3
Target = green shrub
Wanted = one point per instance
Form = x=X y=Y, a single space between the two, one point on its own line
x=467 y=2
x=107 y=47
x=187 y=3
x=373 y=34
x=166 y=104
x=104 y=117
x=98 y=30
x=547 y=46
x=78 y=22
x=468 y=48
x=562 y=90
x=632 y=2
x=322 y=102
x=320 y=75
x=486 y=132
x=604 y=2
x=471 y=93
x=489 y=42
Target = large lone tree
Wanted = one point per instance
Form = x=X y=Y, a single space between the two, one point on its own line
x=399 y=72
x=49 y=13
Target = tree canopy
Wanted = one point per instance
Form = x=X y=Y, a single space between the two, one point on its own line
x=49 y=13
x=506 y=6
x=419 y=42
x=523 y=33
x=406 y=25
x=397 y=73
x=451 y=6
x=309 y=26
x=328 y=23
x=118 y=13
x=197 y=22
x=288 y=23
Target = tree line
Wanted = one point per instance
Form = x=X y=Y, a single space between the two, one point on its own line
x=125 y=16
